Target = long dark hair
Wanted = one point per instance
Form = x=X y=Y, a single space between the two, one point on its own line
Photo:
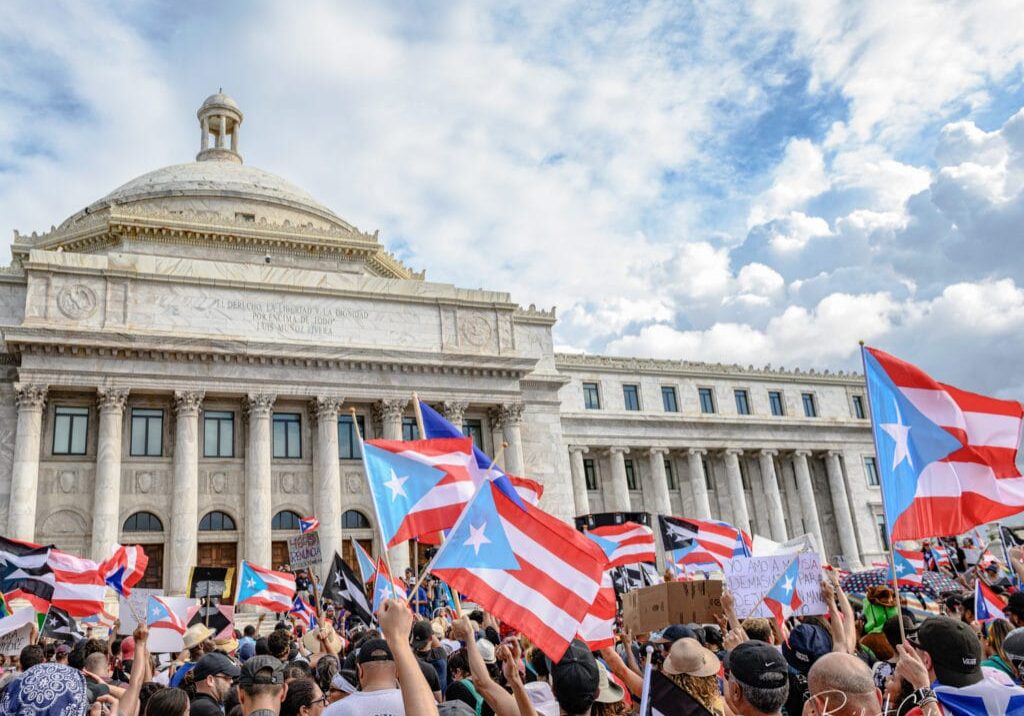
x=300 y=693
x=167 y=702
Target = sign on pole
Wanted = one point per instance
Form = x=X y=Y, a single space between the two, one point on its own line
x=304 y=551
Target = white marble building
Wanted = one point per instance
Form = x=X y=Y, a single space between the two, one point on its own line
x=181 y=357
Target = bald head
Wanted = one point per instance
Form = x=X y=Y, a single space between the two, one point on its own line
x=841 y=684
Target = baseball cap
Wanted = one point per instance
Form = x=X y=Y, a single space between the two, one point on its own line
x=455 y=708
x=374 y=650
x=674 y=632
x=698 y=633
x=954 y=648
x=542 y=698
x=576 y=672
x=213 y=664
x=128 y=648
x=422 y=633
x=261 y=670
x=1015 y=604
x=807 y=643
x=63 y=650
x=1013 y=646
x=757 y=664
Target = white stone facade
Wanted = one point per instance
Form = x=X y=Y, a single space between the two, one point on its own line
x=204 y=293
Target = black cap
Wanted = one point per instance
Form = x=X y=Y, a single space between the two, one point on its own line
x=1015 y=604
x=374 y=650
x=954 y=648
x=261 y=670
x=675 y=633
x=213 y=664
x=576 y=672
x=806 y=644
x=757 y=664
x=422 y=633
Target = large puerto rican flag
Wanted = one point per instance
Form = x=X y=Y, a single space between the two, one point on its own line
x=265 y=588
x=946 y=457
x=628 y=543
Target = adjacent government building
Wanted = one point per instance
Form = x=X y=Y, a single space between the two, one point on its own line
x=181 y=357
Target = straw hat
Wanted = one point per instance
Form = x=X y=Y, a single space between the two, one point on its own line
x=311 y=642
x=687 y=656
x=608 y=692
x=196 y=635
x=228 y=645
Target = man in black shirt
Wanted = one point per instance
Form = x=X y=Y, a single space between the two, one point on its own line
x=214 y=674
x=430 y=654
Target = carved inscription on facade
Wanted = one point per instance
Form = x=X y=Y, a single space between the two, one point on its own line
x=309 y=319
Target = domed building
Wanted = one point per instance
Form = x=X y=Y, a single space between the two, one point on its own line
x=182 y=357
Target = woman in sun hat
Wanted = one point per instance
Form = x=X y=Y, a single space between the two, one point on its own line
x=695 y=670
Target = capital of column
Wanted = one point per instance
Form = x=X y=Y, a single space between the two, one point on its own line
x=389 y=409
x=187 y=402
x=618 y=450
x=259 y=405
x=112 y=399
x=325 y=407
x=581 y=449
x=733 y=451
x=802 y=453
x=697 y=452
x=30 y=396
x=454 y=411
x=833 y=453
x=507 y=414
x=769 y=452
x=655 y=451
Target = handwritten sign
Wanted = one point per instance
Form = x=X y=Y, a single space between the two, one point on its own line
x=137 y=599
x=16 y=631
x=304 y=550
x=750 y=578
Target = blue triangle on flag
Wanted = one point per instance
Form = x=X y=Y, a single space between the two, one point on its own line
x=399 y=483
x=606 y=545
x=251 y=583
x=478 y=540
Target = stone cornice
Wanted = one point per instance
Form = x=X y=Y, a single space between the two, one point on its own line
x=580 y=361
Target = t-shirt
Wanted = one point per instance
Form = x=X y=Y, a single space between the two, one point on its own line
x=204 y=705
x=430 y=674
x=385 y=702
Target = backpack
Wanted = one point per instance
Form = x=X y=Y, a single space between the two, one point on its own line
x=468 y=683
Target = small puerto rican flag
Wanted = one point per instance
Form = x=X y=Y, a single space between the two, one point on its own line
x=987 y=604
x=304 y=613
x=308 y=524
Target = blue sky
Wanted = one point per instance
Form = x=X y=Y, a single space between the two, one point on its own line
x=762 y=183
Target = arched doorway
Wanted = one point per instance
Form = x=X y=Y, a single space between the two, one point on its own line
x=147 y=530
x=218 y=535
x=284 y=525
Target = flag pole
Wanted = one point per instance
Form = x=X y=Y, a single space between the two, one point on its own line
x=885 y=507
x=380 y=525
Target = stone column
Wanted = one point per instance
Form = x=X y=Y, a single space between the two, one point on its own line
x=776 y=515
x=327 y=493
x=205 y=129
x=106 y=504
x=661 y=503
x=388 y=415
x=618 y=496
x=740 y=515
x=259 y=451
x=699 y=484
x=454 y=412
x=805 y=489
x=185 y=501
x=579 y=480
x=841 y=506
x=510 y=418
x=21 y=523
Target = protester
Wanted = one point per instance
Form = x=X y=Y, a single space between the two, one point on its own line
x=261 y=686
x=48 y=690
x=806 y=644
x=757 y=683
x=694 y=669
x=841 y=685
x=995 y=656
x=167 y=702
x=213 y=676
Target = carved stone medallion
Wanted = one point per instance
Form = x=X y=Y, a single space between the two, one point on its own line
x=218 y=481
x=353 y=484
x=66 y=481
x=475 y=330
x=77 y=301
x=144 y=481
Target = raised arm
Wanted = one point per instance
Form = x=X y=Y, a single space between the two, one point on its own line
x=129 y=701
x=633 y=681
x=503 y=703
x=509 y=657
x=396 y=624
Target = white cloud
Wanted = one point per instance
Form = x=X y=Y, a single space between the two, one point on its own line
x=799 y=176
x=792 y=233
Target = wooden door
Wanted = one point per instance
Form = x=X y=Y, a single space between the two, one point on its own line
x=278 y=554
x=217 y=554
x=154 y=575
x=348 y=553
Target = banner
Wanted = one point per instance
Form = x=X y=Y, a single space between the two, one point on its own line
x=750 y=578
x=137 y=600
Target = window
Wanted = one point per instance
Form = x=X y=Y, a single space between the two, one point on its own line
x=742 y=402
x=410 y=430
x=285 y=520
x=775 y=401
x=669 y=400
x=474 y=429
x=631 y=397
x=70 y=428
x=287 y=436
x=143 y=522
x=707 y=400
x=216 y=521
x=354 y=520
x=707 y=473
x=147 y=432
x=810 y=410
x=858 y=407
x=591 y=396
x=590 y=474
x=631 y=475
x=670 y=476
x=871 y=468
x=883 y=534
x=348 y=443
x=218 y=434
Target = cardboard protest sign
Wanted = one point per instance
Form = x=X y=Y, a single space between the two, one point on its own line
x=137 y=600
x=304 y=551
x=16 y=631
x=656 y=607
x=168 y=640
x=750 y=578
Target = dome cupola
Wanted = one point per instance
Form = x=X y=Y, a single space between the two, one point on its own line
x=219 y=120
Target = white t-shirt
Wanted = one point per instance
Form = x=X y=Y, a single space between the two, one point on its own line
x=386 y=702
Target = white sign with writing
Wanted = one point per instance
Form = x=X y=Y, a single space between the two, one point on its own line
x=134 y=604
x=750 y=578
x=16 y=631
x=304 y=550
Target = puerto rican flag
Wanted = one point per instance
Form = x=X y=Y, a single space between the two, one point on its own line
x=628 y=543
x=719 y=539
x=987 y=604
x=78 y=586
x=386 y=586
x=528 y=568
x=946 y=457
x=909 y=567
x=308 y=524
x=530 y=490
x=984 y=698
x=782 y=599
x=262 y=587
x=367 y=567
x=598 y=626
x=419 y=487
x=159 y=615
x=125 y=568
x=304 y=612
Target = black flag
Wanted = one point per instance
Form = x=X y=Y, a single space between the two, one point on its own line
x=677 y=533
x=664 y=698
x=61 y=625
x=346 y=590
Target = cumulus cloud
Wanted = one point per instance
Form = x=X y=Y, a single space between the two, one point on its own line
x=798 y=177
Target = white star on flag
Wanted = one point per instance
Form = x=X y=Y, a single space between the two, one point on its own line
x=901 y=567
x=251 y=584
x=477 y=538
x=788 y=585
x=899 y=433
x=396 y=485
